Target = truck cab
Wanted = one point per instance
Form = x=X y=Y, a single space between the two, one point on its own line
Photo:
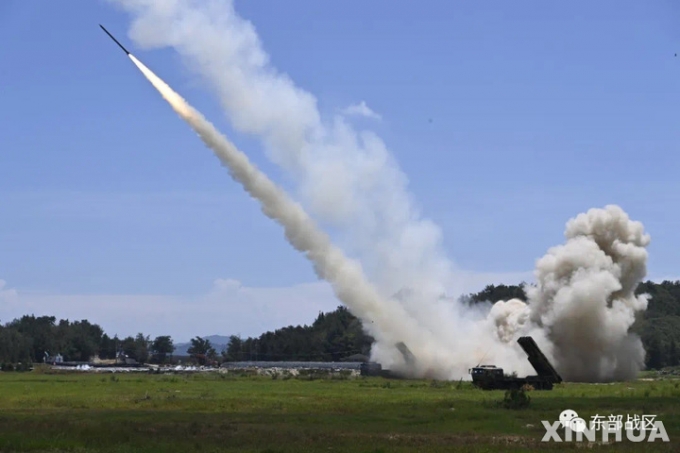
x=483 y=375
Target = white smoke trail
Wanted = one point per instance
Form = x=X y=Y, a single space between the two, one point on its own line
x=347 y=178
x=388 y=324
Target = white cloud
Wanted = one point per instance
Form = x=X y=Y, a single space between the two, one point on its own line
x=227 y=308
x=361 y=109
x=8 y=296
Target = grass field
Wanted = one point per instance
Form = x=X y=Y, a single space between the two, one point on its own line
x=218 y=412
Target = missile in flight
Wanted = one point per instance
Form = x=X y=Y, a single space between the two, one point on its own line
x=114 y=39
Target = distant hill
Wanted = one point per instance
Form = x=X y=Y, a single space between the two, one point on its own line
x=219 y=342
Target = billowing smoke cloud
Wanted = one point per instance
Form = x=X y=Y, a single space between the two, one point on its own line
x=579 y=312
x=584 y=300
x=347 y=178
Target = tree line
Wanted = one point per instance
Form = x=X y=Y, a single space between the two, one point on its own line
x=333 y=336
x=32 y=339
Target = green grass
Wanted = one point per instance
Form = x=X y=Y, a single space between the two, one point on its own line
x=216 y=412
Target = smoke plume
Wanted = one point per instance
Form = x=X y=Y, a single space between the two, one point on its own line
x=365 y=200
x=584 y=300
x=579 y=311
x=388 y=324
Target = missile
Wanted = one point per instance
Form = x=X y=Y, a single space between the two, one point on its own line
x=114 y=39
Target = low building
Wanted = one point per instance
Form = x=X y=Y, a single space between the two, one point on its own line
x=54 y=359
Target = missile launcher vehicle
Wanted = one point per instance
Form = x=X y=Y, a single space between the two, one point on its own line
x=490 y=377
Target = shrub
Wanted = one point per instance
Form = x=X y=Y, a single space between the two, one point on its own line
x=438 y=384
x=42 y=368
x=516 y=399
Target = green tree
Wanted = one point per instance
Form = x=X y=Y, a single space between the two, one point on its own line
x=128 y=347
x=333 y=336
x=494 y=293
x=233 y=351
x=162 y=347
x=14 y=347
x=655 y=353
x=40 y=332
x=142 y=346
x=107 y=347
x=137 y=347
x=202 y=350
x=673 y=354
x=82 y=340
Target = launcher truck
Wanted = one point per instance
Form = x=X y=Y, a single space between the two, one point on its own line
x=490 y=377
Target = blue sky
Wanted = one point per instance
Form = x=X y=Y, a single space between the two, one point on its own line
x=508 y=118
